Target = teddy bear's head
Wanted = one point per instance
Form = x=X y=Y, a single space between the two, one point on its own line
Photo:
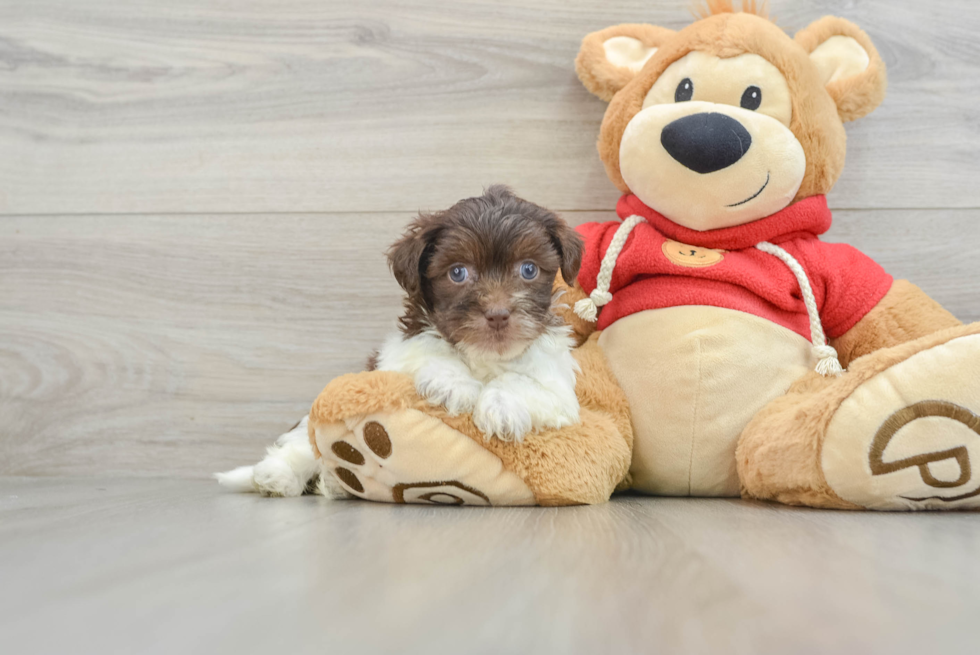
x=728 y=120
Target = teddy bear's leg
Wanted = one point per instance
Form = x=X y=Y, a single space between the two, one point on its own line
x=567 y=296
x=899 y=430
x=582 y=463
x=407 y=456
x=384 y=443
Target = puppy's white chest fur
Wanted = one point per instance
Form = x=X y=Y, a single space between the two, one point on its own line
x=507 y=397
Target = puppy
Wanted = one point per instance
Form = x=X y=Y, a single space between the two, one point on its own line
x=478 y=334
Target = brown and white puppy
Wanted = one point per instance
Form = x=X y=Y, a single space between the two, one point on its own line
x=477 y=335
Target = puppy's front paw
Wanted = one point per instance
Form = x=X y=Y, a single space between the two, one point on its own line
x=456 y=393
x=502 y=414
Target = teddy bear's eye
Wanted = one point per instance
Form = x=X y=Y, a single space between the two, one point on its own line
x=752 y=98
x=685 y=90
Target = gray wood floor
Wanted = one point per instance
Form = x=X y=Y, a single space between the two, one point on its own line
x=194 y=199
x=151 y=566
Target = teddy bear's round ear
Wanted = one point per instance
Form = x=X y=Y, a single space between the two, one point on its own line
x=610 y=58
x=848 y=64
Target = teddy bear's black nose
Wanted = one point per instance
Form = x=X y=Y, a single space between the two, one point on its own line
x=706 y=142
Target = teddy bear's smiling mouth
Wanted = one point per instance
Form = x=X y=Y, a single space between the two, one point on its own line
x=754 y=195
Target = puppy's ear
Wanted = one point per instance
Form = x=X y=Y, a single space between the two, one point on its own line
x=409 y=256
x=569 y=245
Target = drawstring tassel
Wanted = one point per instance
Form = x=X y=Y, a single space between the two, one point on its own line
x=588 y=308
x=827 y=363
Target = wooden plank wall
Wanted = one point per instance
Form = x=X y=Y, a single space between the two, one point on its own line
x=195 y=195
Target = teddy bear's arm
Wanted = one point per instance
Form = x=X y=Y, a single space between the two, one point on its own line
x=384 y=437
x=904 y=314
x=564 y=309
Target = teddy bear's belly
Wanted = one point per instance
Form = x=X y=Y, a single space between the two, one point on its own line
x=694 y=377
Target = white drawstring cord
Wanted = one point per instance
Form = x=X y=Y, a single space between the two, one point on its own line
x=588 y=308
x=827 y=363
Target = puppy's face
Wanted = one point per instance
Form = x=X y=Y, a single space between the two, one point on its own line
x=491 y=284
x=481 y=272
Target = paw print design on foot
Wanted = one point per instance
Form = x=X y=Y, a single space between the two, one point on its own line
x=909 y=437
x=407 y=456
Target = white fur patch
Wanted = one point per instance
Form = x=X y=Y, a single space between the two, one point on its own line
x=508 y=397
x=286 y=470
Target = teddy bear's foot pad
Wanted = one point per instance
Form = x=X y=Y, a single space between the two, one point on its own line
x=909 y=437
x=406 y=456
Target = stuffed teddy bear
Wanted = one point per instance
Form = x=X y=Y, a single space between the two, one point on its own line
x=724 y=348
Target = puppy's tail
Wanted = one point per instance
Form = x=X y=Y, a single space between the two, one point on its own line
x=240 y=480
x=289 y=468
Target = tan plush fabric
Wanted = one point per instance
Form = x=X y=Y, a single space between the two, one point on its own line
x=909 y=438
x=656 y=178
x=428 y=462
x=694 y=377
x=600 y=76
x=904 y=314
x=779 y=453
x=818 y=110
x=712 y=7
x=856 y=96
x=566 y=302
x=583 y=463
x=815 y=121
x=579 y=464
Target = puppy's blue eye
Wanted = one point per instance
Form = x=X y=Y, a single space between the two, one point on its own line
x=458 y=274
x=529 y=270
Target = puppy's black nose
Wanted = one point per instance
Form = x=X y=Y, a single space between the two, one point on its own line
x=706 y=142
x=497 y=318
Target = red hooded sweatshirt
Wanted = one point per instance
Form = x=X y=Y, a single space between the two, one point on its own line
x=651 y=275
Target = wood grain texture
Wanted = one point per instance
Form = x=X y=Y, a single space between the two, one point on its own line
x=180 y=345
x=389 y=105
x=195 y=196
x=166 y=567
x=213 y=330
